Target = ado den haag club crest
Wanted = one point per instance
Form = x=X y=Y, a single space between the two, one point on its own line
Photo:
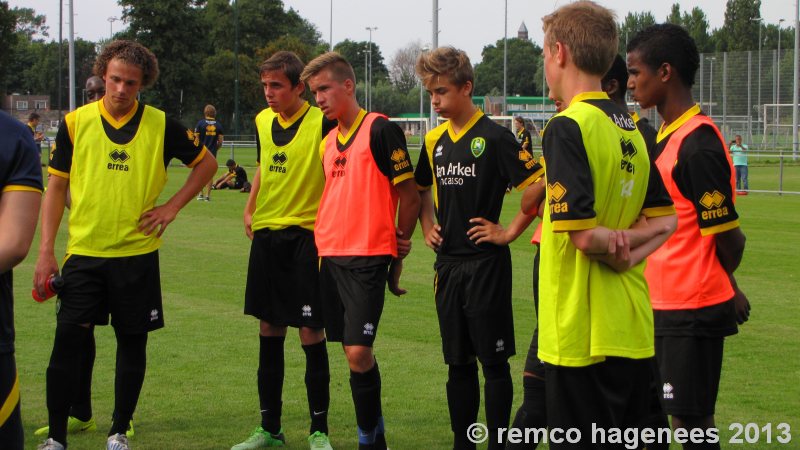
x=477 y=146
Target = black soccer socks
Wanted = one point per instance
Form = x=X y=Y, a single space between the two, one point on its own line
x=82 y=403
x=318 y=377
x=270 y=381
x=366 y=391
x=498 y=392
x=533 y=411
x=463 y=400
x=131 y=367
x=62 y=375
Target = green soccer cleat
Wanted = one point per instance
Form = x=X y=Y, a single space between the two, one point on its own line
x=261 y=439
x=319 y=441
x=74 y=426
x=129 y=433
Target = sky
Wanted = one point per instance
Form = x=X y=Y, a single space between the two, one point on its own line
x=466 y=24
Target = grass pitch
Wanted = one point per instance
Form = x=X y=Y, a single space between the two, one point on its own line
x=200 y=390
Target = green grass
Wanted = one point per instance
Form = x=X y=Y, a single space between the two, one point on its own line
x=200 y=391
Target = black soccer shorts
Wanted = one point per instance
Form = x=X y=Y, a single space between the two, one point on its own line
x=353 y=293
x=283 y=278
x=128 y=288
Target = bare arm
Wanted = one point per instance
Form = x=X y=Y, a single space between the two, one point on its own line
x=730 y=249
x=161 y=216
x=250 y=206
x=19 y=211
x=486 y=231
x=406 y=222
x=52 y=211
x=623 y=249
x=427 y=221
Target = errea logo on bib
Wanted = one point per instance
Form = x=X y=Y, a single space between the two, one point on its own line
x=118 y=160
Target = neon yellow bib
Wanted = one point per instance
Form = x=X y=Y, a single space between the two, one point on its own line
x=587 y=311
x=113 y=185
x=292 y=178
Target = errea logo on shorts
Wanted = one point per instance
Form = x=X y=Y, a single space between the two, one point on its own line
x=306 y=311
x=668 y=395
x=369 y=329
x=500 y=345
x=153 y=315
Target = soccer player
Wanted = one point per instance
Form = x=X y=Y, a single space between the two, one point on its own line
x=20 y=197
x=696 y=300
x=464 y=168
x=113 y=155
x=80 y=412
x=596 y=327
x=95 y=89
x=367 y=171
x=234 y=179
x=209 y=133
x=283 y=276
x=615 y=84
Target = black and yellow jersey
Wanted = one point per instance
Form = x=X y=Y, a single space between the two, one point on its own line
x=524 y=138
x=292 y=178
x=469 y=173
x=20 y=170
x=702 y=167
x=387 y=143
x=116 y=171
x=648 y=132
x=598 y=174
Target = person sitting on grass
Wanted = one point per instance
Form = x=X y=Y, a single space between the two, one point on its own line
x=236 y=178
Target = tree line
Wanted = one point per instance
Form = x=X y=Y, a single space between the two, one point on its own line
x=195 y=42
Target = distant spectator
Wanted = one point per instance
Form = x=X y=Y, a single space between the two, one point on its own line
x=236 y=178
x=209 y=134
x=739 y=156
x=33 y=122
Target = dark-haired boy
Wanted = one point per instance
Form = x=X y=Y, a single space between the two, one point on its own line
x=596 y=329
x=112 y=264
x=283 y=275
x=695 y=297
x=464 y=169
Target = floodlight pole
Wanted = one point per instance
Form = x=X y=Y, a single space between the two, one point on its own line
x=434 y=46
x=369 y=77
x=236 y=65
x=711 y=87
x=330 y=46
x=760 y=23
x=795 y=99
x=778 y=94
x=505 y=61
x=71 y=57
x=111 y=21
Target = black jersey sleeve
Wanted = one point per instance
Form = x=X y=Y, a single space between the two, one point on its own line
x=389 y=150
x=703 y=175
x=179 y=143
x=20 y=161
x=328 y=125
x=516 y=164
x=570 y=188
x=423 y=174
x=61 y=155
x=657 y=201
